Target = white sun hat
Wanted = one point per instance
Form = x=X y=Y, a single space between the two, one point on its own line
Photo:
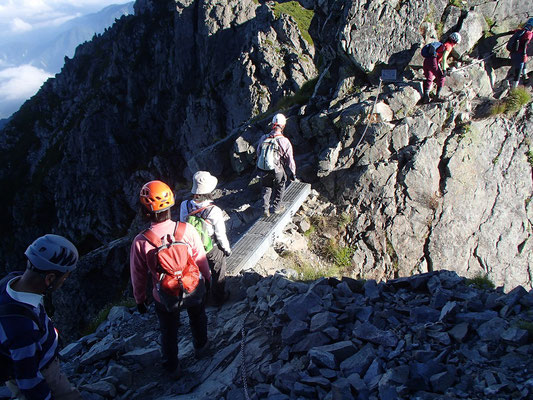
x=203 y=183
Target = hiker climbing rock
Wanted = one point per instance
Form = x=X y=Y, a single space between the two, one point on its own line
x=208 y=219
x=517 y=47
x=436 y=64
x=181 y=247
x=28 y=338
x=275 y=163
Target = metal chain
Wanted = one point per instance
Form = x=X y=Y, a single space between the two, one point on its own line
x=478 y=61
x=243 y=363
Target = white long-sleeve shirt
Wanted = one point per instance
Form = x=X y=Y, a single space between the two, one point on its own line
x=216 y=226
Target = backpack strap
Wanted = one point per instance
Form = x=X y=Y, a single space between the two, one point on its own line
x=179 y=231
x=200 y=212
x=152 y=238
x=17 y=309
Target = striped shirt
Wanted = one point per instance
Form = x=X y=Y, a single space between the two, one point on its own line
x=30 y=349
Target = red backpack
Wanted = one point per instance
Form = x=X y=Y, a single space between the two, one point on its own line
x=180 y=282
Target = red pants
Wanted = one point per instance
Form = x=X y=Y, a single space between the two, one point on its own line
x=432 y=72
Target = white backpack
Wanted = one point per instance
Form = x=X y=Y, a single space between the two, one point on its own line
x=269 y=153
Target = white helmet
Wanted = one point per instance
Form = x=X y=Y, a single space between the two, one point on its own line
x=52 y=253
x=455 y=37
x=279 y=119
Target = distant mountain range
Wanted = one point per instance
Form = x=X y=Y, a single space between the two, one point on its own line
x=46 y=48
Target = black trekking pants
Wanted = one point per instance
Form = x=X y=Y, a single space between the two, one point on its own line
x=273 y=181
x=217 y=264
x=169 y=323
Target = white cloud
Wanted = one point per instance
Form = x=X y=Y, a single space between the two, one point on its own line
x=20 y=83
x=40 y=13
x=18 y=26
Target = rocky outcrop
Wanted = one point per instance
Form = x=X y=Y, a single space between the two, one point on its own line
x=429 y=187
x=427 y=336
x=187 y=85
x=141 y=102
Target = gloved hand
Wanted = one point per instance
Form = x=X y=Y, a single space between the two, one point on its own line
x=227 y=253
x=292 y=177
x=142 y=308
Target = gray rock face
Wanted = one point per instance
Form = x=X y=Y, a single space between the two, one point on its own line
x=366 y=30
x=391 y=356
x=100 y=126
x=174 y=89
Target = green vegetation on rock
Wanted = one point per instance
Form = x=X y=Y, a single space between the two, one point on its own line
x=481 y=281
x=301 y=97
x=307 y=272
x=301 y=15
x=458 y=3
x=515 y=100
x=102 y=315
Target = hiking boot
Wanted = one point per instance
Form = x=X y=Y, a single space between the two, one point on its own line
x=279 y=210
x=217 y=302
x=424 y=99
x=201 y=351
x=438 y=97
x=175 y=374
x=266 y=213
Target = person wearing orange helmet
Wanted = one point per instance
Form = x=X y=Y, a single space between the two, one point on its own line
x=157 y=199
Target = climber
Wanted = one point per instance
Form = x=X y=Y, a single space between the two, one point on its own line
x=436 y=67
x=211 y=223
x=27 y=335
x=157 y=199
x=517 y=47
x=275 y=163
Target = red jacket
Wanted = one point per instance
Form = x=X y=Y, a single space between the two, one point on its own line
x=524 y=43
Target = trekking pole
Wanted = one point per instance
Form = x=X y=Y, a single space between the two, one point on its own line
x=243 y=363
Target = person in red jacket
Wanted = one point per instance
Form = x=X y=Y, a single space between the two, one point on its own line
x=435 y=68
x=157 y=199
x=519 y=57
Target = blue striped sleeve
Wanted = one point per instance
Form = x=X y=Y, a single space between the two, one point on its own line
x=22 y=338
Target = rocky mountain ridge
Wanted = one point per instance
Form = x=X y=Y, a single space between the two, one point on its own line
x=46 y=48
x=430 y=336
x=174 y=88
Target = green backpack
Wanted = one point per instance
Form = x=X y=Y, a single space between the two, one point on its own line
x=198 y=219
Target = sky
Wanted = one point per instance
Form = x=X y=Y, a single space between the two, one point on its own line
x=19 y=17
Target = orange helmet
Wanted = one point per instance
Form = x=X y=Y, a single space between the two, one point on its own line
x=156 y=196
